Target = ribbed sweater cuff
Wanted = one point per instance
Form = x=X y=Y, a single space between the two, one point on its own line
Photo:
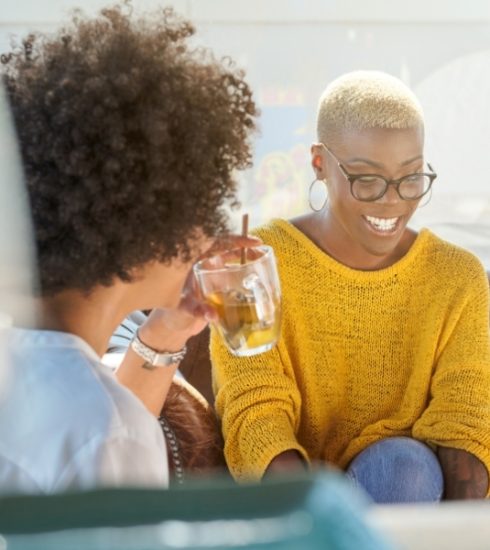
x=271 y=453
x=252 y=464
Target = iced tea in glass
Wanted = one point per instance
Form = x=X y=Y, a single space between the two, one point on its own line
x=246 y=297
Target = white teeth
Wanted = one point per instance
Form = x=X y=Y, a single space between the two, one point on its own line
x=382 y=224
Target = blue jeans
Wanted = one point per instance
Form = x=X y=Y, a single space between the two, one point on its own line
x=398 y=469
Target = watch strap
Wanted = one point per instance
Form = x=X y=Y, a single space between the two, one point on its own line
x=156 y=358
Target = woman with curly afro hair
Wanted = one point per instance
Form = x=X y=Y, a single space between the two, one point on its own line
x=130 y=139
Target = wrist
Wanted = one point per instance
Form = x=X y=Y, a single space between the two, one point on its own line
x=156 y=358
x=161 y=338
x=286 y=462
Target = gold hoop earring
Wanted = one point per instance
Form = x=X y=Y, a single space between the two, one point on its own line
x=310 y=202
x=427 y=199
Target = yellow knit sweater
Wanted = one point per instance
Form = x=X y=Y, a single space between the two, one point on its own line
x=363 y=355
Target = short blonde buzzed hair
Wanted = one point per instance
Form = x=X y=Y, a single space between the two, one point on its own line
x=367 y=99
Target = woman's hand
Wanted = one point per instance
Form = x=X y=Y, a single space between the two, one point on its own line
x=465 y=476
x=288 y=462
x=169 y=329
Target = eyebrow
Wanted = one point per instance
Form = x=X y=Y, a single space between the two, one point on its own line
x=361 y=160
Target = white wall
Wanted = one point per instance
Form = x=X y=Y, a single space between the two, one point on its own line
x=292 y=48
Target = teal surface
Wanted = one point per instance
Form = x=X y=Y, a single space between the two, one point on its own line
x=300 y=513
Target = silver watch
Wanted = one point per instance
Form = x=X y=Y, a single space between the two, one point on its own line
x=154 y=358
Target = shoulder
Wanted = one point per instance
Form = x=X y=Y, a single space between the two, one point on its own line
x=283 y=236
x=94 y=425
x=449 y=256
x=272 y=230
x=60 y=373
x=451 y=263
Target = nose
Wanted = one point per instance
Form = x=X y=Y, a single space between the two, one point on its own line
x=391 y=196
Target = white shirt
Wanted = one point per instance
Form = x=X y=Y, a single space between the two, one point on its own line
x=66 y=423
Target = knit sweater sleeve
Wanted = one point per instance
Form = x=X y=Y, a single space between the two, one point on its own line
x=259 y=404
x=458 y=414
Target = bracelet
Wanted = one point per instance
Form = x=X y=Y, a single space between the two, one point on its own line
x=154 y=358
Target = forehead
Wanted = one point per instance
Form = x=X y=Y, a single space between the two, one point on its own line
x=381 y=145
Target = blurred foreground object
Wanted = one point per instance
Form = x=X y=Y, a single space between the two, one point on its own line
x=298 y=513
x=16 y=250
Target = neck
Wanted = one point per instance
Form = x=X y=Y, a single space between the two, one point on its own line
x=95 y=316
x=322 y=229
x=92 y=317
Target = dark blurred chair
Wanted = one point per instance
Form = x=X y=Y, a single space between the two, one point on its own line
x=196 y=365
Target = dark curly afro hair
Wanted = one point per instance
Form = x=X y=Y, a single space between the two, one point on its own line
x=130 y=138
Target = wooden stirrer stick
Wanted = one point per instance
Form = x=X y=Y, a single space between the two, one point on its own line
x=243 y=255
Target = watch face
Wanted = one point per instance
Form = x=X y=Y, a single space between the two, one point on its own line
x=163 y=360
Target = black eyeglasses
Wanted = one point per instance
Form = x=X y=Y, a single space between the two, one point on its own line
x=371 y=187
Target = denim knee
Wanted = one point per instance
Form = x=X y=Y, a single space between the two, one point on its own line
x=398 y=469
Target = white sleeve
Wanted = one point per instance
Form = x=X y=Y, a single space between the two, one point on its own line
x=118 y=461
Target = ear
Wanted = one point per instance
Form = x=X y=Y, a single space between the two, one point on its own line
x=318 y=161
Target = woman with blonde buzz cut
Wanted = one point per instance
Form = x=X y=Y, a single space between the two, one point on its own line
x=383 y=366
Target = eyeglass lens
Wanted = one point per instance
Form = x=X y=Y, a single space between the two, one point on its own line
x=372 y=187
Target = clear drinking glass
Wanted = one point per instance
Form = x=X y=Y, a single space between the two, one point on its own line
x=243 y=287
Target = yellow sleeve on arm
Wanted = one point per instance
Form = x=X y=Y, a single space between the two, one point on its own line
x=458 y=414
x=259 y=404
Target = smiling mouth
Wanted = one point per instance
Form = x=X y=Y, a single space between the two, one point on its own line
x=383 y=225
